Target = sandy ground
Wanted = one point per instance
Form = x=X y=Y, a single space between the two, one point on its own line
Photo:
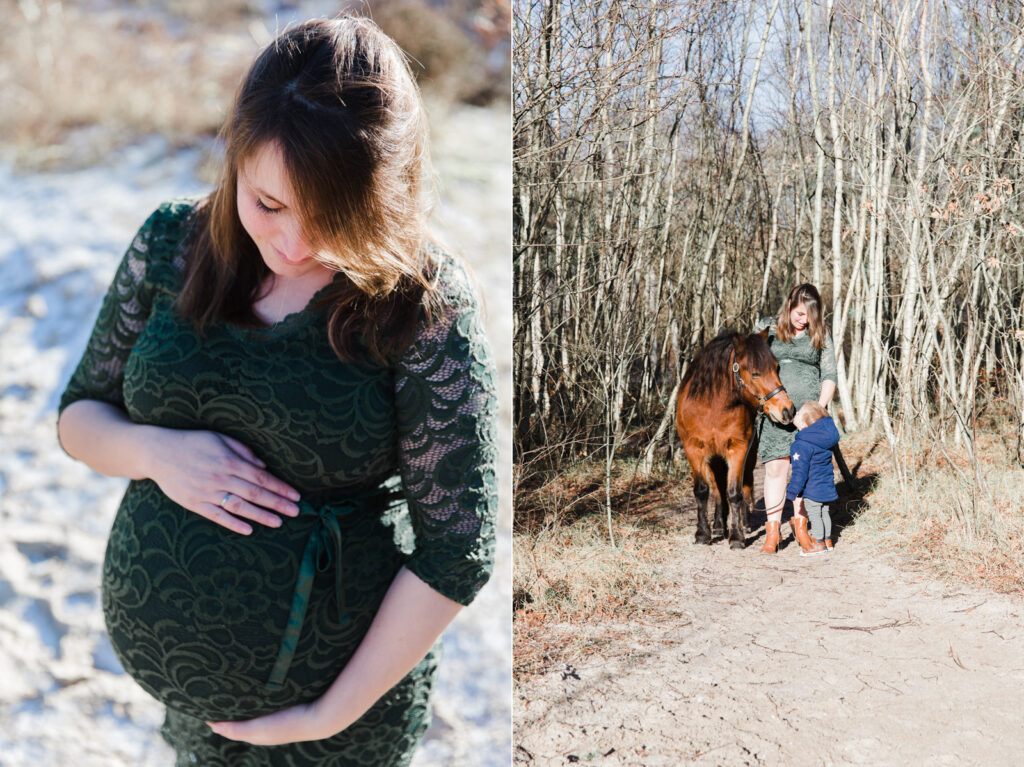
x=786 y=660
x=63 y=697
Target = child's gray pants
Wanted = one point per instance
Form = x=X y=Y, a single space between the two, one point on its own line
x=818 y=519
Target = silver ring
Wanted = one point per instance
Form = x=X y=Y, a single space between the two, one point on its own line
x=224 y=500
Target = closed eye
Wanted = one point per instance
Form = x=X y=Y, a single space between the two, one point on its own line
x=263 y=207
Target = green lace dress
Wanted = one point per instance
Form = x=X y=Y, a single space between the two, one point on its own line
x=802 y=369
x=396 y=466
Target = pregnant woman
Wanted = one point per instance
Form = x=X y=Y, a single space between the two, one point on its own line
x=297 y=384
x=807 y=367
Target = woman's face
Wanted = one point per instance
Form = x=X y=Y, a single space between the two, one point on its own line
x=266 y=207
x=798 y=317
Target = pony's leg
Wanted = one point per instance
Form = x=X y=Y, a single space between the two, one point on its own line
x=703 y=481
x=737 y=458
x=718 y=521
x=701 y=490
x=721 y=511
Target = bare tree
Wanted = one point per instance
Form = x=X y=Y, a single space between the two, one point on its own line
x=680 y=165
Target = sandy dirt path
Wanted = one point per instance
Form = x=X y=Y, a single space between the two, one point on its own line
x=786 y=660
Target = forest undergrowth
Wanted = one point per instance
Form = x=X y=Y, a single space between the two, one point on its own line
x=953 y=511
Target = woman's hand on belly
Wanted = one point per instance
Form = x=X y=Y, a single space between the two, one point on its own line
x=217 y=477
x=408 y=622
x=291 y=725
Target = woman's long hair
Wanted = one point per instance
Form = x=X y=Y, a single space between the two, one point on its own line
x=338 y=100
x=807 y=295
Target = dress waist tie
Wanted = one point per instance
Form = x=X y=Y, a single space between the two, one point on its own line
x=323 y=551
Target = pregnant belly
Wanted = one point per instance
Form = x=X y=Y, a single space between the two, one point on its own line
x=196 y=614
x=801 y=381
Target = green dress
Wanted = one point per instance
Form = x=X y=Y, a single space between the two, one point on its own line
x=802 y=369
x=396 y=467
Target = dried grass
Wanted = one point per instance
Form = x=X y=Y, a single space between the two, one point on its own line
x=77 y=82
x=958 y=517
x=459 y=49
x=566 y=572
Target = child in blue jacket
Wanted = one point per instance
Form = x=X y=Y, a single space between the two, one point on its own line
x=811 y=461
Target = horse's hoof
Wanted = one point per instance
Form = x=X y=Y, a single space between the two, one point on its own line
x=705 y=539
x=737 y=545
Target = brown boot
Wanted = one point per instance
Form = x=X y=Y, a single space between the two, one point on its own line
x=817 y=547
x=799 y=525
x=771 y=537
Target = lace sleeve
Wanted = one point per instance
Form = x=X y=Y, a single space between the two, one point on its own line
x=827 y=362
x=122 y=316
x=446 y=409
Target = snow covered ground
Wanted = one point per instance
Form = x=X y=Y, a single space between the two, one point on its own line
x=63 y=696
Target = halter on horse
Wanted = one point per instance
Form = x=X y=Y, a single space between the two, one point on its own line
x=762 y=401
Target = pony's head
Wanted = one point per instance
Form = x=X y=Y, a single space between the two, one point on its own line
x=756 y=372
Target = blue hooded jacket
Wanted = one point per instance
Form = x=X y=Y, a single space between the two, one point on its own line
x=811 y=460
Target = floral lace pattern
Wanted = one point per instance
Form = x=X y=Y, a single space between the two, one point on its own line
x=195 y=613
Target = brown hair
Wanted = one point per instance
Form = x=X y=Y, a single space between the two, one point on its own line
x=338 y=100
x=807 y=295
x=809 y=413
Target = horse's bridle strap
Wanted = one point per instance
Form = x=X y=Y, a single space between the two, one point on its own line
x=762 y=401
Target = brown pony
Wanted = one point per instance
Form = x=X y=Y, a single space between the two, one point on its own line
x=728 y=382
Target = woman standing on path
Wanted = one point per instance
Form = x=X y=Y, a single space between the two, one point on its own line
x=807 y=368
x=293 y=345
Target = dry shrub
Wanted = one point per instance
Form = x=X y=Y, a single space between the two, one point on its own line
x=543 y=500
x=572 y=573
x=546 y=497
x=207 y=13
x=77 y=83
x=459 y=50
x=959 y=517
x=565 y=570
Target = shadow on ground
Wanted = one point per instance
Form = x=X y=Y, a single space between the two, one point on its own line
x=843 y=511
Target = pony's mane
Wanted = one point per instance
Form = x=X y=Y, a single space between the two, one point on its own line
x=710 y=369
x=759 y=356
